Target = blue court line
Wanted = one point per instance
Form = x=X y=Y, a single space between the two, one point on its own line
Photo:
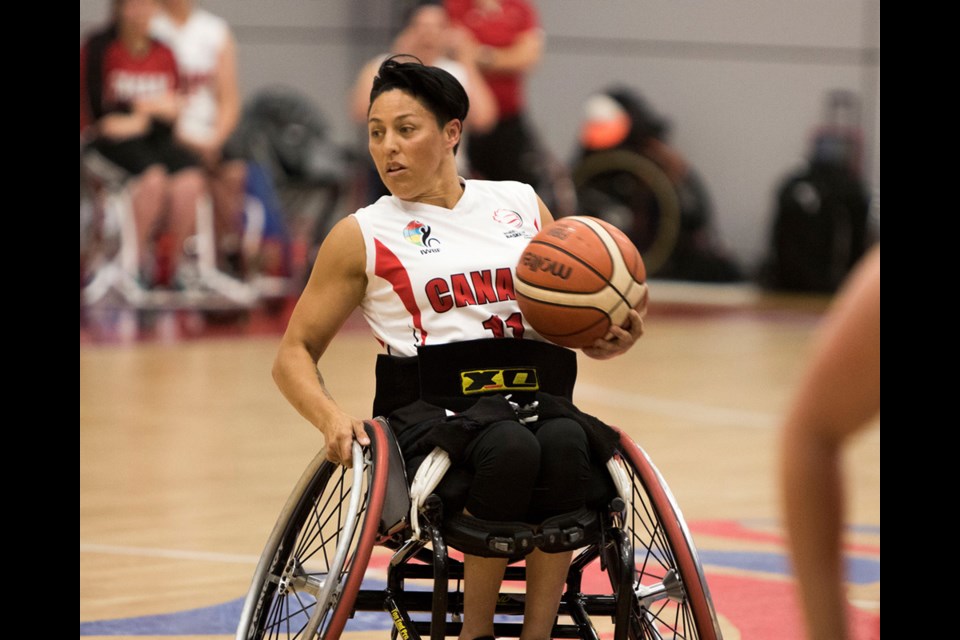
x=859 y=570
x=218 y=619
x=864 y=528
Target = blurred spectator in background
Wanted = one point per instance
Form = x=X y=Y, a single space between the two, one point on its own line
x=505 y=39
x=838 y=396
x=427 y=35
x=205 y=50
x=129 y=104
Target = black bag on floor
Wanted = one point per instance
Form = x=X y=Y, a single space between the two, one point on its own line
x=819 y=228
x=820 y=220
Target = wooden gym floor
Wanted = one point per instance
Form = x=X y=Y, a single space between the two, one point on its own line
x=187 y=453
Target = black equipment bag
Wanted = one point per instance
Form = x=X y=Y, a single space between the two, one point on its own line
x=819 y=228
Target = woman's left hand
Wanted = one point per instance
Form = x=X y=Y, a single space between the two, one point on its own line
x=619 y=339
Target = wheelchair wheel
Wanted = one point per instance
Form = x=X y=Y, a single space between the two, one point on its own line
x=670 y=595
x=632 y=193
x=310 y=571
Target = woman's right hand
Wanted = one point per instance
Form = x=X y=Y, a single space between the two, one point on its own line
x=339 y=433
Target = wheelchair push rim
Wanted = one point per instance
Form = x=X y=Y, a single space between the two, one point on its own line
x=331 y=519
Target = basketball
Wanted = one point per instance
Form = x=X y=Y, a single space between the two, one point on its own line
x=576 y=278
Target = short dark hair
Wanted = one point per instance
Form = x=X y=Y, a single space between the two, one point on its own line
x=436 y=89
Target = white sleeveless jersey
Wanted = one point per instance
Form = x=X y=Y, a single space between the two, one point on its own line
x=197 y=45
x=436 y=276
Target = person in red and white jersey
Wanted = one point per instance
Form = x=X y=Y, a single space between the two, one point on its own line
x=129 y=104
x=431 y=266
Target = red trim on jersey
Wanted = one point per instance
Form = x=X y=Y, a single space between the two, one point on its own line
x=388 y=266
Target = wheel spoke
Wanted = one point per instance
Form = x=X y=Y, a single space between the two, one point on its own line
x=317 y=523
x=662 y=608
x=282 y=614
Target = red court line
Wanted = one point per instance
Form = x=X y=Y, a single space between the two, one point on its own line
x=736 y=530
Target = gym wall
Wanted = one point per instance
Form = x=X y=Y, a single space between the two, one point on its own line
x=742 y=81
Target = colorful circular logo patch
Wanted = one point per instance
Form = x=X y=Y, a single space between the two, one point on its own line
x=417 y=233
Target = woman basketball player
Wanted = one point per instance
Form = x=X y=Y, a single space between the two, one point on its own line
x=431 y=268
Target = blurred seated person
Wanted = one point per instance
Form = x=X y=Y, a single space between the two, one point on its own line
x=427 y=35
x=129 y=104
x=205 y=50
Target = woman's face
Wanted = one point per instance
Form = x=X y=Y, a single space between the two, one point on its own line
x=135 y=15
x=429 y=32
x=408 y=147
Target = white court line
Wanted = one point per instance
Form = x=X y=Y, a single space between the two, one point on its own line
x=172 y=554
x=707 y=414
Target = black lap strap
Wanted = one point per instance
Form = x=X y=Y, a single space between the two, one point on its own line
x=455 y=376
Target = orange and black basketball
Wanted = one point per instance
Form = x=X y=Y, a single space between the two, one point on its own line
x=576 y=278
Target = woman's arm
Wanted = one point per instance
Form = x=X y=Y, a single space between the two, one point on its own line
x=483 y=104
x=336 y=287
x=228 y=93
x=522 y=56
x=838 y=395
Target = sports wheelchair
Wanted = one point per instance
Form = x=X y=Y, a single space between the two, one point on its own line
x=310 y=579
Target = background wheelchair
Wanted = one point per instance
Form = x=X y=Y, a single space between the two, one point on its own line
x=310 y=578
x=627 y=174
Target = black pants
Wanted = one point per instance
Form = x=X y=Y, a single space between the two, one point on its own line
x=520 y=473
x=136 y=155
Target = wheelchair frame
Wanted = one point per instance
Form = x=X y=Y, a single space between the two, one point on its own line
x=309 y=580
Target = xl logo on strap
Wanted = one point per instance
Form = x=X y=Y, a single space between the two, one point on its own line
x=487 y=380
